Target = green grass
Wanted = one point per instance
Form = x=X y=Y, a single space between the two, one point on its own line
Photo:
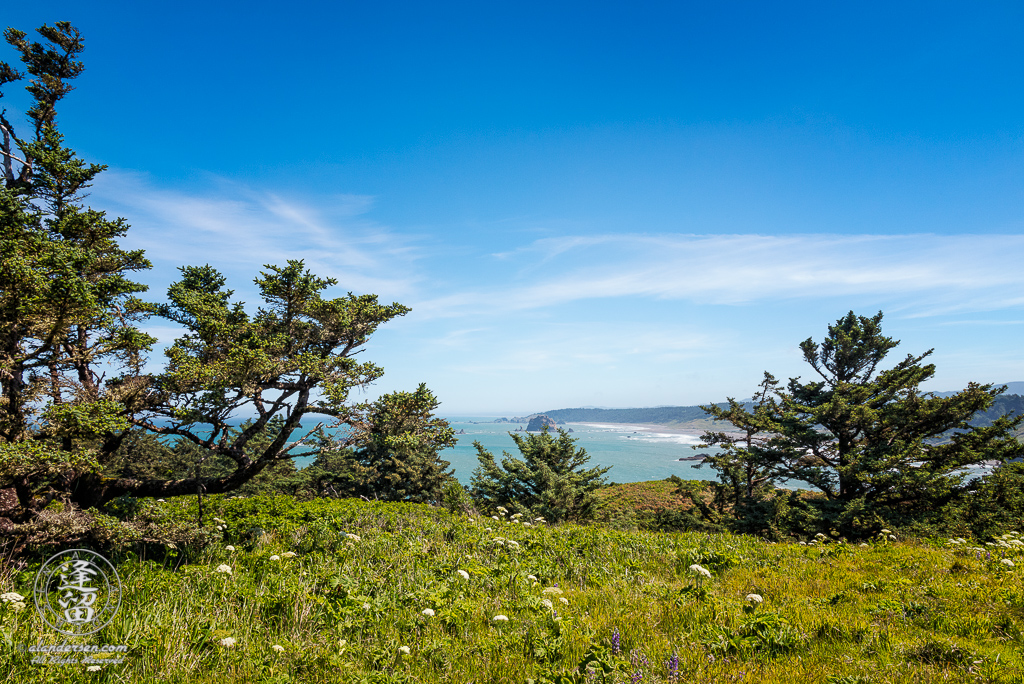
x=642 y=497
x=342 y=608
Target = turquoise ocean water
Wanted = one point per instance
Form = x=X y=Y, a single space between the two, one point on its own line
x=635 y=453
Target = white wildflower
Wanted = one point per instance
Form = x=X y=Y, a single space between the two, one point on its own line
x=531 y=578
x=93 y=668
x=499 y=542
x=278 y=647
x=803 y=543
x=500 y=618
x=488 y=529
x=563 y=600
x=229 y=547
x=17 y=606
x=429 y=612
x=218 y=520
x=539 y=520
x=892 y=537
x=755 y=598
x=354 y=537
x=463 y=574
x=526 y=524
x=864 y=546
x=513 y=543
x=161 y=501
x=11 y=597
x=547 y=603
x=289 y=554
x=552 y=590
x=228 y=642
x=698 y=570
x=1007 y=562
x=516 y=515
x=275 y=557
x=366 y=606
x=502 y=510
x=404 y=650
x=495 y=517
x=224 y=568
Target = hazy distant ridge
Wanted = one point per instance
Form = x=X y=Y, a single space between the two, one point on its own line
x=667 y=415
x=659 y=414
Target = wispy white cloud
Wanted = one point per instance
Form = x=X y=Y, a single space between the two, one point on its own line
x=238 y=229
x=578 y=345
x=939 y=272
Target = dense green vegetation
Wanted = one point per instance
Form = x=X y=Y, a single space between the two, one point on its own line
x=355 y=591
x=878 y=450
x=74 y=391
x=548 y=481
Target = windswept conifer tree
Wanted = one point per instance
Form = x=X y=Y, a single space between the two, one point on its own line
x=73 y=384
x=868 y=439
x=548 y=481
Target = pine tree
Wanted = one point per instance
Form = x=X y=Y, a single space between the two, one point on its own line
x=869 y=439
x=548 y=481
x=73 y=387
x=744 y=463
x=397 y=442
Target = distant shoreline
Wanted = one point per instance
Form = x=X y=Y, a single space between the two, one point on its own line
x=654 y=427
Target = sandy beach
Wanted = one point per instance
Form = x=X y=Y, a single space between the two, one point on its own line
x=653 y=428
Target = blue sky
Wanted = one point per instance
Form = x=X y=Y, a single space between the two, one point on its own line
x=628 y=204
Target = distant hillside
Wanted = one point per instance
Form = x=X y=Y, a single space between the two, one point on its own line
x=694 y=416
x=662 y=415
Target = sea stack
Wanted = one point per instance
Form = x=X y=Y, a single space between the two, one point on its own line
x=538 y=422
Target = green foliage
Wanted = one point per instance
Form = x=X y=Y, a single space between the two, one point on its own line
x=744 y=459
x=342 y=585
x=879 y=450
x=990 y=505
x=398 y=443
x=549 y=481
x=876 y=424
x=72 y=380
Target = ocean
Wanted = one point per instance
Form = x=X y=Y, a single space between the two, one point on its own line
x=636 y=453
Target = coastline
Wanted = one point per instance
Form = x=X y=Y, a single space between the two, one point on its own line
x=653 y=428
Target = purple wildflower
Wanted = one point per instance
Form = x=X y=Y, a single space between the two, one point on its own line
x=988 y=555
x=616 y=647
x=638 y=659
x=637 y=677
x=673 y=667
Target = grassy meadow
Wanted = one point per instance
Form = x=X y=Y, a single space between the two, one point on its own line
x=356 y=591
